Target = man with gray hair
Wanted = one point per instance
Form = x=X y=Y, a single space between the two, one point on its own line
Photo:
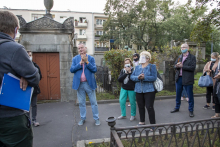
x=185 y=66
x=84 y=68
x=15 y=125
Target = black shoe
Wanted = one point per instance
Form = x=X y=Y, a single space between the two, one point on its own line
x=191 y=114
x=174 y=110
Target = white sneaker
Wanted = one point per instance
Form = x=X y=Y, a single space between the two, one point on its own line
x=121 y=117
x=132 y=118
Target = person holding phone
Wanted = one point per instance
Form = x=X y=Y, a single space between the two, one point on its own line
x=127 y=89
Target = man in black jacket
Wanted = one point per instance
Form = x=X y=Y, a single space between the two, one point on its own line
x=34 y=95
x=15 y=127
x=185 y=66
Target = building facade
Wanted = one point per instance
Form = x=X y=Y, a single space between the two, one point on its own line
x=88 y=27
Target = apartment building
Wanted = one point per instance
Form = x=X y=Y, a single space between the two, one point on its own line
x=88 y=26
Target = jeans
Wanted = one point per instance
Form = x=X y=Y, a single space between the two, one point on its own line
x=123 y=97
x=146 y=99
x=189 y=91
x=81 y=94
x=184 y=94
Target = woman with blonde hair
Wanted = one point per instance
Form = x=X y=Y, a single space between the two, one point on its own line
x=127 y=89
x=209 y=69
x=144 y=75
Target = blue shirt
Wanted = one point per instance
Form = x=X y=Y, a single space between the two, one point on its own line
x=150 y=75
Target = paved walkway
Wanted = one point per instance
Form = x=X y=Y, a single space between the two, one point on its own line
x=59 y=121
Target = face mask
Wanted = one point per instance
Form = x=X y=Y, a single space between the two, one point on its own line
x=127 y=65
x=184 y=51
x=136 y=59
x=15 y=33
x=213 y=60
x=142 y=59
x=31 y=58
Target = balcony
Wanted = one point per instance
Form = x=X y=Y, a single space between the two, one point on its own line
x=81 y=37
x=101 y=49
x=81 y=25
x=98 y=27
x=97 y=37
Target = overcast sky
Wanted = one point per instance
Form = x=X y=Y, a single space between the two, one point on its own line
x=62 y=5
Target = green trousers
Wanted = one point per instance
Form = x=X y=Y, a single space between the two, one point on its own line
x=16 y=132
x=123 y=97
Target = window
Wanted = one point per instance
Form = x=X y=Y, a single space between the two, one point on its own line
x=100 y=21
x=82 y=19
x=83 y=42
x=36 y=16
x=99 y=32
x=62 y=18
x=82 y=32
x=139 y=47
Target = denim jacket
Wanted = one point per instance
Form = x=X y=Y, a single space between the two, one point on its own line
x=150 y=75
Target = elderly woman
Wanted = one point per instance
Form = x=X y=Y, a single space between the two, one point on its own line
x=144 y=75
x=210 y=69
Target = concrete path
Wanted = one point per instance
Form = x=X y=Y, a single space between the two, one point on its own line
x=59 y=121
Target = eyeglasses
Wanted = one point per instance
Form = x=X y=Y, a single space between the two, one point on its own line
x=183 y=47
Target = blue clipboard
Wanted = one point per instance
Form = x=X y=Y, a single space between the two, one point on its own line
x=12 y=95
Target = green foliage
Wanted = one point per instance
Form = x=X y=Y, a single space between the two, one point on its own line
x=148 y=23
x=201 y=32
x=115 y=60
x=171 y=54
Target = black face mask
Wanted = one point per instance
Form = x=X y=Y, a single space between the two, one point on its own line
x=136 y=59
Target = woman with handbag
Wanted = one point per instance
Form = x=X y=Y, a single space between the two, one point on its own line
x=216 y=91
x=127 y=89
x=144 y=76
x=209 y=69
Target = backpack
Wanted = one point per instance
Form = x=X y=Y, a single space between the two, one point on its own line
x=158 y=84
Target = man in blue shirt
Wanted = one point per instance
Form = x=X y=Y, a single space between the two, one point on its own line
x=84 y=67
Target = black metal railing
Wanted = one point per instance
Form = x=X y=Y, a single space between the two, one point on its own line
x=199 y=133
x=103 y=80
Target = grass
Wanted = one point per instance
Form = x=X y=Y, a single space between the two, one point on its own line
x=165 y=142
x=196 y=90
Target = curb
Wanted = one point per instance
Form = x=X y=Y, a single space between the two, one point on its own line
x=82 y=143
x=157 y=98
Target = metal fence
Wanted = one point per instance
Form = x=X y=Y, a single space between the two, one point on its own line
x=199 y=133
x=103 y=79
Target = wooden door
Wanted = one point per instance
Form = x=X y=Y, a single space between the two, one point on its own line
x=50 y=70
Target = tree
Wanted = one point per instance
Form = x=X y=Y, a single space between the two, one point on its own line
x=134 y=22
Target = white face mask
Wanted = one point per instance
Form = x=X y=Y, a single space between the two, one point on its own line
x=142 y=59
x=31 y=58
x=127 y=65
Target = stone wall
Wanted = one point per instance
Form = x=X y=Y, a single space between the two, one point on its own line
x=54 y=43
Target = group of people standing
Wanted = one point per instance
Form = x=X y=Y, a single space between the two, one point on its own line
x=137 y=85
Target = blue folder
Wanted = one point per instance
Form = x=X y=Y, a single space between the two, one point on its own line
x=12 y=95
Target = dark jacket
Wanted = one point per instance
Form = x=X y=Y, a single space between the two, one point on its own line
x=14 y=59
x=37 y=88
x=131 y=84
x=189 y=66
